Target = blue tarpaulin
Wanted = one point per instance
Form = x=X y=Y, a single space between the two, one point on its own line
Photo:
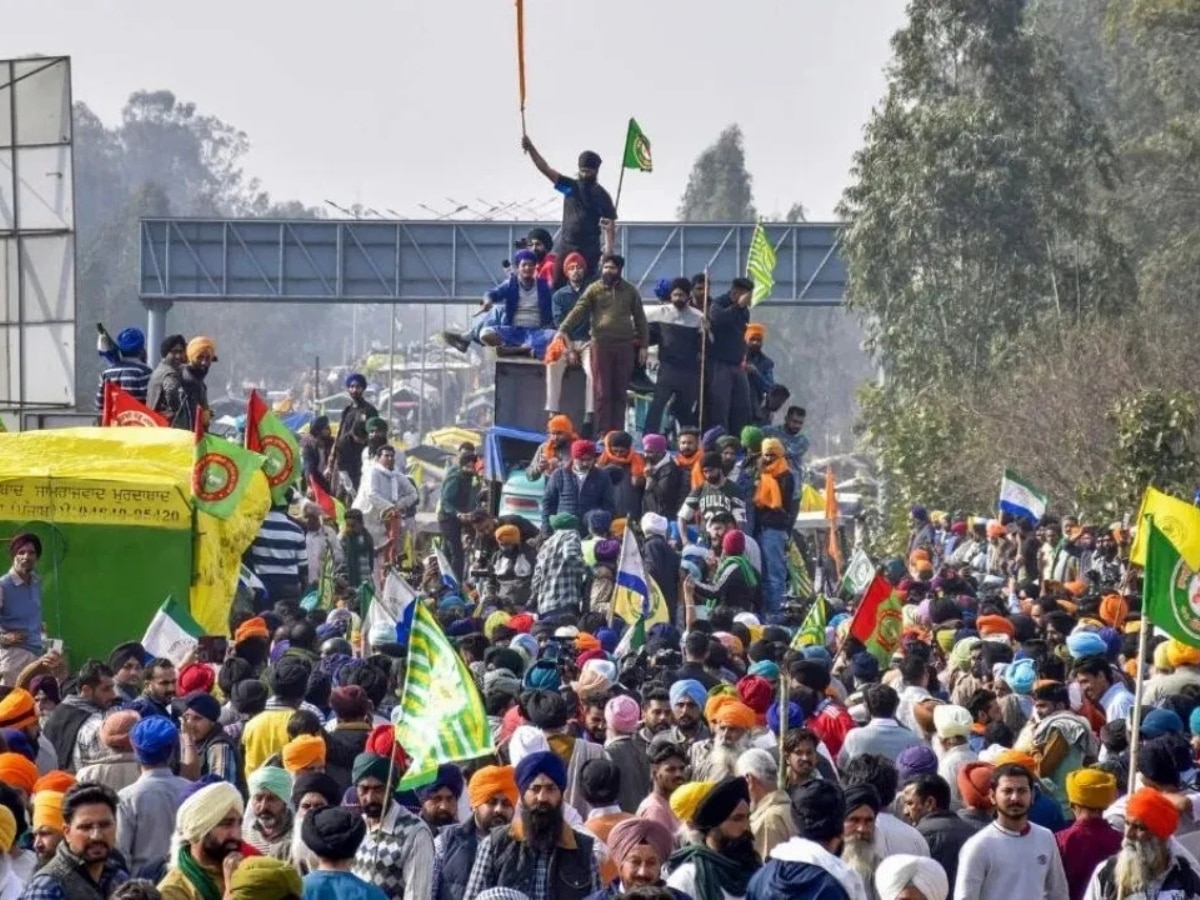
x=494 y=467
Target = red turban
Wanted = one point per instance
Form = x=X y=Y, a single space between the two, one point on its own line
x=196 y=677
x=581 y=448
x=995 y=625
x=1154 y=811
x=382 y=742
x=756 y=692
x=975 y=785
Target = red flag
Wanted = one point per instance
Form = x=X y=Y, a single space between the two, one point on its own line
x=321 y=498
x=877 y=622
x=123 y=410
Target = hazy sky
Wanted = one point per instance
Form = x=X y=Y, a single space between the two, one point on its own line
x=395 y=104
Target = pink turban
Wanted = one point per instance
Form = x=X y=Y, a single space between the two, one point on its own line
x=622 y=714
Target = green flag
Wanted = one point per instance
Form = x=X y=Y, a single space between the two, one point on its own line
x=760 y=265
x=799 y=582
x=812 y=629
x=637 y=149
x=859 y=574
x=441 y=717
x=1171 y=592
x=221 y=472
x=267 y=435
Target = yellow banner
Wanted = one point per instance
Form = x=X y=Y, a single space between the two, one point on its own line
x=85 y=502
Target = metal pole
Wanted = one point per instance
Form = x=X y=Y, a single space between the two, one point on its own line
x=783 y=728
x=387 y=416
x=156 y=328
x=421 y=384
x=1139 y=683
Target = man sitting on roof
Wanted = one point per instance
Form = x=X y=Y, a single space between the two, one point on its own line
x=516 y=315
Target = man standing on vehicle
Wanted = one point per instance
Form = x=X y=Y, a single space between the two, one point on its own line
x=729 y=390
x=460 y=496
x=352 y=435
x=588 y=211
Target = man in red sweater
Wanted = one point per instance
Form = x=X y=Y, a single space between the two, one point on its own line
x=830 y=720
x=1091 y=840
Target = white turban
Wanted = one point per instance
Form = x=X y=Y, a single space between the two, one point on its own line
x=951 y=721
x=206 y=809
x=525 y=740
x=897 y=872
x=653 y=523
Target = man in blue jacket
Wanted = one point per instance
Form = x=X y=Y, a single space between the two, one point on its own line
x=577 y=489
x=729 y=403
x=517 y=315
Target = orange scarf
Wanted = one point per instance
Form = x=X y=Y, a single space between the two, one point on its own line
x=768 y=494
x=634 y=461
x=550 y=449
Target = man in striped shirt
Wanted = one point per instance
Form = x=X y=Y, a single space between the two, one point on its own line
x=279 y=556
x=128 y=367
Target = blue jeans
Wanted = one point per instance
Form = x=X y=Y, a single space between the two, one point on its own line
x=774 y=545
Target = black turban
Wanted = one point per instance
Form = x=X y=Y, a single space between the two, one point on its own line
x=123 y=653
x=316 y=783
x=862 y=795
x=720 y=803
x=600 y=781
x=819 y=809
x=589 y=159
x=289 y=677
x=545 y=709
x=333 y=833
x=810 y=673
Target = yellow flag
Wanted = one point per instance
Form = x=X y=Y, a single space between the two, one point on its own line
x=1179 y=522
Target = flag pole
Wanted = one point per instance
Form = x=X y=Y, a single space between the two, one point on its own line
x=781 y=781
x=621 y=177
x=1140 y=681
x=703 y=351
x=521 y=60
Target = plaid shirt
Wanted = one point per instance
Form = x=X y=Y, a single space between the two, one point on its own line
x=484 y=874
x=559 y=573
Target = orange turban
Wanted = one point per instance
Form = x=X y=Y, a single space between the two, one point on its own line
x=252 y=628
x=561 y=423
x=996 y=530
x=995 y=625
x=1114 y=610
x=1153 y=810
x=56 y=780
x=755 y=330
x=735 y=714
x=490 y=781
x=618 y=527
x=1077 y=588
x=975 y=784
x=918 y=555
x=1017 y=758
x=715 y=702
x=585 y=642
x=303 y=751
x=18 y=771
x=18 y=710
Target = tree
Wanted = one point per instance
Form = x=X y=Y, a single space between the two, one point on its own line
x=719 y=188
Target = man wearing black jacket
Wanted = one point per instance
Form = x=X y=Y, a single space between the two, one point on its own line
x=677 y=329
x=666 y=483
x=729 y=403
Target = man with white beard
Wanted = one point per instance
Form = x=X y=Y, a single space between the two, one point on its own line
x=858 y=834
x=1146 y=867
x=716 y=758
x=310 y=792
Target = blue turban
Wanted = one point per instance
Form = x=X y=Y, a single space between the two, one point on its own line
x=864 y=667
x=524 y=256
x=598 y=521
x=154 y=740
x=541 y=762
x=916 y=760
x=689 y=687
x=794 y=713
x=18 y=743
x=448 y=776
x=1158 y=722
x=1112 y=640
x=1020 y=676
x=919 y=513
x=356 y=378
x=608 y=639
x=690 y=568
x=543 y=676
x=1085 y=643
x=818 y=654
x=662 y=290
x=764 y=668
x=131 y=341
x=709 y=439
x=1194 y=721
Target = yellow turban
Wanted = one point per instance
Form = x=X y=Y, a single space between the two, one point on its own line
x=1161 y=658
x=198 y=345
x=48 y=810
x=1017 y=758
x=490 y=781
x=686 y=797
x=617 y=527
x=1091 y=788
x=495 y=620
x=303 y=751
x=508 y=535
x=1180 y=654
x=773 y=446
x=735 y=714
x=265 y=878
x=8 y=829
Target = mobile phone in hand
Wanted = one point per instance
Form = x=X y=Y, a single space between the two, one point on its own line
x=211 y=648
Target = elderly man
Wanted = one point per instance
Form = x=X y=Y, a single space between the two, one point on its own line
x=493 y=795
x=439 y=798
x=722 y=847
x=904 y=877
x=540 y=845
x=1148 y=865
x=639 y=848
x=397 y=855
x=209 y=822
x=809 y=864
x=82 y=865
x=715 y=758
x=146 y=809
x=771 y=820
x=20 y=608
x=269 y=825
x=858 y=836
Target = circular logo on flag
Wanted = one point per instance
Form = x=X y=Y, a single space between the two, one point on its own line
x=215 y=478
x=641 y=150
x=890 y=628
x=1185 y=599
x=280 y=465
x=135 y=418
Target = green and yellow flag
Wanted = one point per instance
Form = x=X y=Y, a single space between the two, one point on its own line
x=812 y=630
x=441 y=717
x=760 y=265
x=1171 y=592
x=221 y=472
x=267 y=435
x=637 y=149
x=877 y=623
x=799 y=582
x=1177 y=520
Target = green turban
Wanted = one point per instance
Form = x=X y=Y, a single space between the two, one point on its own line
x=371 y=765
x=564 y=522
x=375 y=423
x=752 y=438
